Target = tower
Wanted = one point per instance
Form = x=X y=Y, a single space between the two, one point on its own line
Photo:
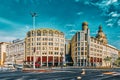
x=101 y=36
x=84 y=26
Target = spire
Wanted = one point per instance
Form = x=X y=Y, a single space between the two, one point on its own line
x=101 y=36
x=100 y=28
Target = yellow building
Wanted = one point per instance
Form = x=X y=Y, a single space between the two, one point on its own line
x=3 y=52
x=45 y=47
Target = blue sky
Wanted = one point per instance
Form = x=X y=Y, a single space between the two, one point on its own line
x=63 y=15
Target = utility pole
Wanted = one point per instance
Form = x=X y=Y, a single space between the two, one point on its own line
x=35 y=36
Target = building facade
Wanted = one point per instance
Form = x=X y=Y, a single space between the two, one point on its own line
x=92 y=51
x=15 y=52
x=3 y=52
x=79 y=46
x=68 y=59
x=44 y=47
x=110 y=55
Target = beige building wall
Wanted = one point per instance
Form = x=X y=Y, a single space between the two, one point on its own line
x=3 y=52
x=45 y=46
x=111 y=52
x=15 y=52
x=79 y=49
x=92 y=51
x=96 y=51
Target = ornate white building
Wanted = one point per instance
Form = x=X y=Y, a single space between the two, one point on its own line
x=92 y=51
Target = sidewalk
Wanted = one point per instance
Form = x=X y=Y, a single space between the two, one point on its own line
x=36 y=70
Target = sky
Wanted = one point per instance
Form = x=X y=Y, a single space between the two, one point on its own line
x=64 y=15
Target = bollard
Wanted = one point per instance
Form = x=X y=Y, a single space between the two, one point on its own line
x=79 y=78
x=83 y=71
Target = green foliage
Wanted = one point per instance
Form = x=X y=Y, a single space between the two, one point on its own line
x=107 y=58
x=117 y=62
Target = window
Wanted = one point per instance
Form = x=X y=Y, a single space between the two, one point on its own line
x=50 y=43
x=78 y=48
x=32 y=39
x=56 y=53
x=51 y=33
x=82 y=43
x=38 y=33
x=78 y=36
x=82 y=48
x=50 y=52
x=78 y=44
x=44 y=43
x=56 y=44
x=56 y=48
x=44 y=33
x=56 y=33
x=44 y=48
x=29 y=34
x=51 y=48
x=82 y=53
x=50 y=39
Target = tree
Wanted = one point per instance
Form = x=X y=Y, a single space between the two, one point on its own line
x=117 y=62
x=107 y=59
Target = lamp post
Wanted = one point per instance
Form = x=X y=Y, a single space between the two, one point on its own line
x=61 y=58
x=35 y=34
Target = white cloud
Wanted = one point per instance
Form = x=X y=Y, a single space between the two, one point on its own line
x=77 y=0
x=118 y=22
x=71 y=25
x=110 y=24
x=108 y=2
x=3 y=20
x=7 y=38
x=114 y=1
x=73 y=31
x=87 y=2
x=79 y=13
x=9 y=22
x=114 y=14
x=105 y=4
x=109 y=20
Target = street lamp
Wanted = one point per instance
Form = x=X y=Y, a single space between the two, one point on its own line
x=35 y=34
x=61 y=58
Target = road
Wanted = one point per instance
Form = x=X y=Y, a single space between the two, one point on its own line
x=62 y=74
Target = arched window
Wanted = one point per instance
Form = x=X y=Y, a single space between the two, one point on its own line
x=32 y=33
x=44 y=33
x=56 y=33
x=38 y=33
x=28 y=34
x=51 y=33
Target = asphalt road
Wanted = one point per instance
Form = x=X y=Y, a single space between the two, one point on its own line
x=62 y=74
